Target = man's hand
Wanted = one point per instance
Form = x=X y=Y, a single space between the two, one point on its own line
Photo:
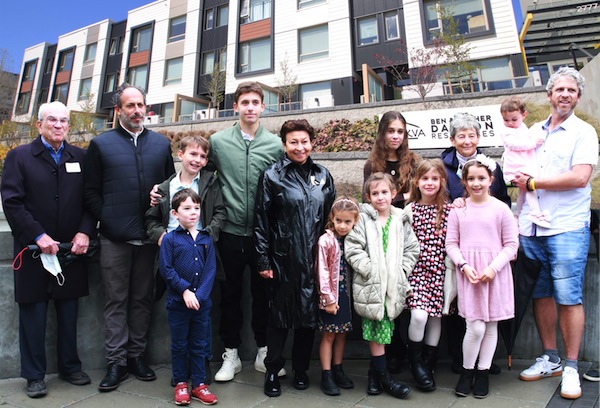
x=154 y=196
x=81 y=243
x=47 y=244
x=268 y=274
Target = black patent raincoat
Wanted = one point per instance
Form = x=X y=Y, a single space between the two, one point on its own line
x=292 y=206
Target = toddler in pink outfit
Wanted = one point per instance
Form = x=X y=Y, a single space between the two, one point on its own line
x=519 y=156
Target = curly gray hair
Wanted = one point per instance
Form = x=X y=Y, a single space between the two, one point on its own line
x=566 y=72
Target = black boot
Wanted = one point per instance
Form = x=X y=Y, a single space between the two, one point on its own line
x=373 y=383
x=417 y=368
x=392 y=386
x=481 y=386
x=429 y=358
x=465 y=383
x=341 y=379
x=329 y=386
x=395 y=353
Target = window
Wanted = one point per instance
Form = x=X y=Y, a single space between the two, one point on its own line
x=23 y=103
x=314 y=43
x=90 y=53
x=65 y=61
x=138 y=76
x=255 y=56
x=110 y=85
x=223 y=59
x=116 y=46
x=255 y=10
x=142 y=38
x=173 y=70
x=29 y=71
x=85 y=89
x=209 y=19
x=222 y=15
x=392 y=29
x=307 y=3
x=177 y=29
x=60 y=93
x=470 y=16
x=42 y=96
x=271 y=101
x=314 y=90
x=49 y=65
x=208 y=62
x=367 y=31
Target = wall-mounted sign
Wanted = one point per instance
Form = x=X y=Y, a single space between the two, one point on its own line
x=431 y=129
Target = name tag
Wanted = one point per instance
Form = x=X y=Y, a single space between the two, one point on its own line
x=73 y=167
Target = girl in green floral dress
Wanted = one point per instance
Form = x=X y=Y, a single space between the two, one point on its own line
x=382 y=250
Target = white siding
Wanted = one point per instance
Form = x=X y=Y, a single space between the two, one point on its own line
x=504 y=42
x=288 y=20
x=34 y=52
x=159 y=13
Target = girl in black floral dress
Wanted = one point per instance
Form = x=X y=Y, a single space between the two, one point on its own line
x=429 y=217
x=334 y=276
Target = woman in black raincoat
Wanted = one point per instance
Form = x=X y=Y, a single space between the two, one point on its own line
x=292 y=205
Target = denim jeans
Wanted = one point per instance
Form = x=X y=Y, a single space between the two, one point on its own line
x=189 y=339
x=563 y=258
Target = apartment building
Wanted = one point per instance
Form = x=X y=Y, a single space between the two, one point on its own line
x=330 y=48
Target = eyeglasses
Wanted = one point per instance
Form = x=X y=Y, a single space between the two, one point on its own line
x=52 y=121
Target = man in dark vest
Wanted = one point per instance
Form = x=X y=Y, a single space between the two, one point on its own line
x=120 y=169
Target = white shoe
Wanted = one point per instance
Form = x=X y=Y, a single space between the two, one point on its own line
x=231 y=365
x=570 y=387
x=542 y=368
x=259 y=362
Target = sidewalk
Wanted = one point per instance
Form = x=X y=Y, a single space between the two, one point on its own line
x=245 y=391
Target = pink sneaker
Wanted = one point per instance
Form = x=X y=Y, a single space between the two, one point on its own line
x=203 y=394
x=182 y=397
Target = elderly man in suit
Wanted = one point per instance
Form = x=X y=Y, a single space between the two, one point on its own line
x=42 y=196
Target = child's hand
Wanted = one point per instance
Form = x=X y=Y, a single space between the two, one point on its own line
x=332 y=308
x=487 y=275
x=190 y=300
x=459 y=202
x=471 y=274
x=540 y=141
x=268 y=274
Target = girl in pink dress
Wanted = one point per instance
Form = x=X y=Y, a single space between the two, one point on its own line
x=482 y=239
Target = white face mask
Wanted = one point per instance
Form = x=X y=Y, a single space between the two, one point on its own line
x=52 y=265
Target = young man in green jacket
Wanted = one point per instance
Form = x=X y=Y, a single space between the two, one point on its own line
x=240 y=154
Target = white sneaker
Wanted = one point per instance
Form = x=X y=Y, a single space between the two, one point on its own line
x=259 y=362
x=231 y=365
x=543 y=367
x=570 y=387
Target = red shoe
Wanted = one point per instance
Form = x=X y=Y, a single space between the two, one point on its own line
x=182 y=397
x=203 y=394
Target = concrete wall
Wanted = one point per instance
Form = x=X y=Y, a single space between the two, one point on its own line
x=589 y=102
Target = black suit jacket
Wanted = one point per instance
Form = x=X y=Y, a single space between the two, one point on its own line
x=40 y=196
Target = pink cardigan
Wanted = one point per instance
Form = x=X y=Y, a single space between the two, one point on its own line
x=328 y=268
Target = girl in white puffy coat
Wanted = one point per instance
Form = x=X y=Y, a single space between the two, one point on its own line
x=382 y=249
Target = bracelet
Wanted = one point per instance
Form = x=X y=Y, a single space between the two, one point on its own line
x=461 y=267
x=532 y=184
x=527 y=186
